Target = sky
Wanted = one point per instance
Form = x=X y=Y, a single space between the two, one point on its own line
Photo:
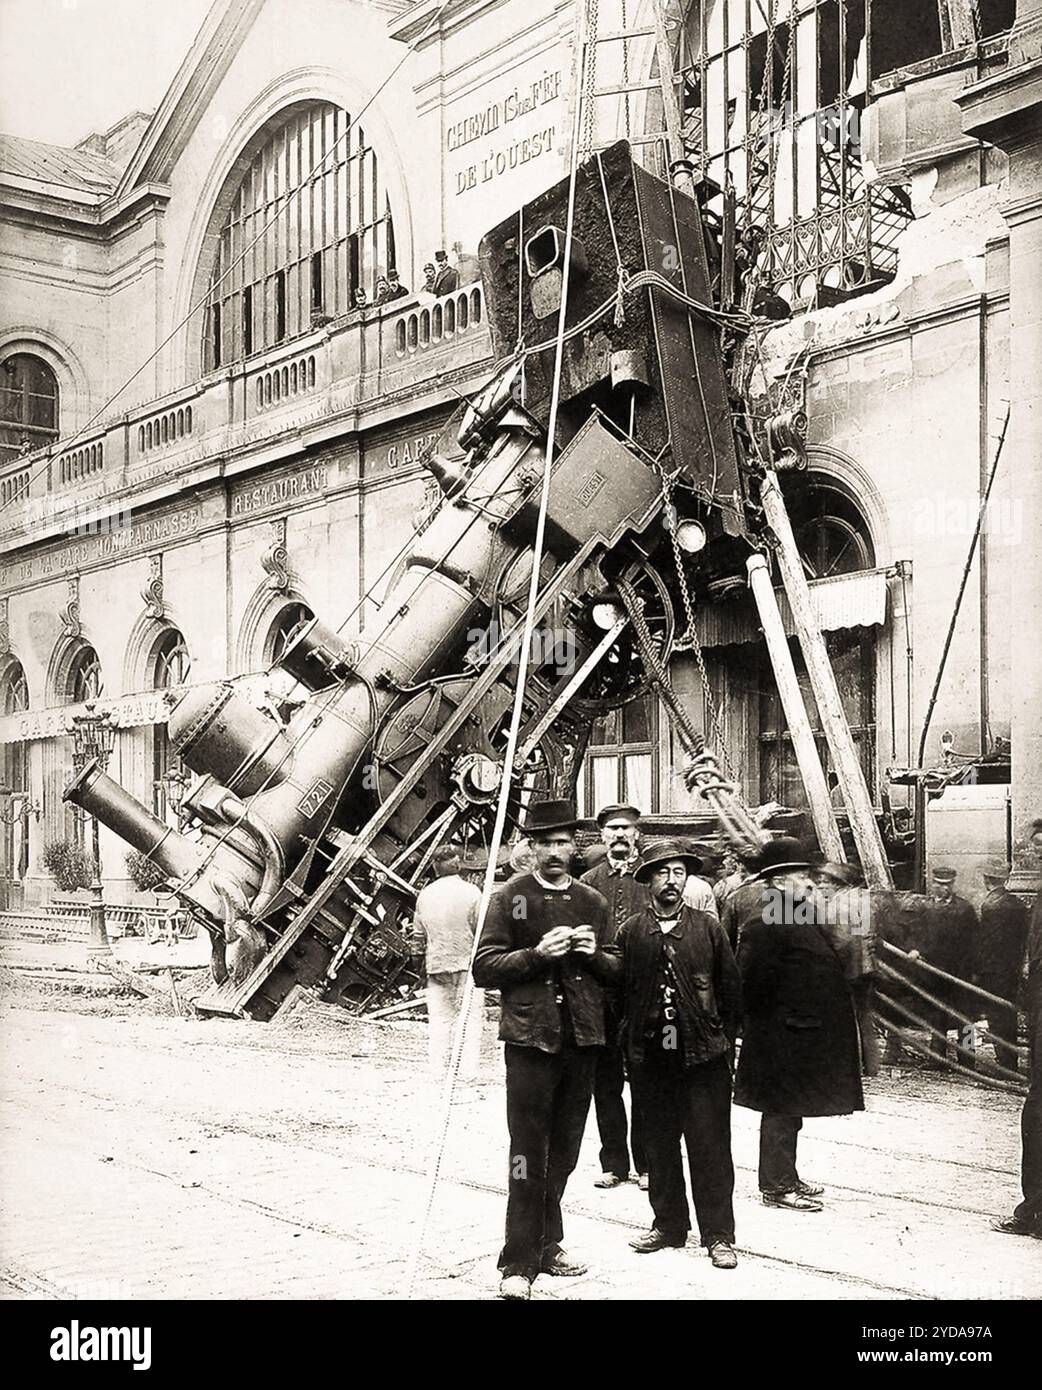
x=70 y=67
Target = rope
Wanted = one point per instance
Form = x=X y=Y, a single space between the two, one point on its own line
x=962 y=589
x=620 y=269
x=518 y=707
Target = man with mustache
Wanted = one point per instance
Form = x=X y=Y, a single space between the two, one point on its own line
x=541 y=947
x=682 y=1008
x=614 y=879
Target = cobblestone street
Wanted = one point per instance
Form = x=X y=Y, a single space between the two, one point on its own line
x=155 y=1157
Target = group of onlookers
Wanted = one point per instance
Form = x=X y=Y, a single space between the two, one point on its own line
x=648 y=967
x=440 y=277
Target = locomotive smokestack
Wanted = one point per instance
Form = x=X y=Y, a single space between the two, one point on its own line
x=93 y=791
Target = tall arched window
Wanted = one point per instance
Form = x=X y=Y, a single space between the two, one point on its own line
x=28 y=405
x=170 y=669
x=84 y=680
x=284 y=255
x=14 y=698
x=15 y=825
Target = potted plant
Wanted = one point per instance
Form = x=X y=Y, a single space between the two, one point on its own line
x=69 y=865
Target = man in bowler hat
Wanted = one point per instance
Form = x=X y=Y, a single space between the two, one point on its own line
x=682 y=1008
x=800 y=1044
x=614 y=879
x=542 y=948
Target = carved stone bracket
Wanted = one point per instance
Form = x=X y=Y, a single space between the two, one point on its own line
x=70 y=614
x=5 y=629
x=152 y=593
x=275 y=560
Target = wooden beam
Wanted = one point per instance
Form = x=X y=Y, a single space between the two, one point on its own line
x=813 y=774
x=826 y=693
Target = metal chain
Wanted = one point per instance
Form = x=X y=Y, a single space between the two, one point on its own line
x=701 y=772
x=689 y=641
x=588 y=122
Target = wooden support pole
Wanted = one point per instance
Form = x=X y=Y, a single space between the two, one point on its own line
x=826 y=693
x=806 y=749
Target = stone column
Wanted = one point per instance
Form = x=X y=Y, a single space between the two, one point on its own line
x=1006 y=110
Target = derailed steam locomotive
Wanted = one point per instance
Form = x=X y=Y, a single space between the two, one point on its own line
x=305 y=841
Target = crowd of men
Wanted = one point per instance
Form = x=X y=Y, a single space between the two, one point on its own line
x=649 y=966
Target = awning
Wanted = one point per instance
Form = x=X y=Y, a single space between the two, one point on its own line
x=848 y=600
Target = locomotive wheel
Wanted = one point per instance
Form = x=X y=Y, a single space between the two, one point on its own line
x=622 y=675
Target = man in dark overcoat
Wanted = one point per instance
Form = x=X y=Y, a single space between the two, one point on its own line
x=682 y=1008
x=614 y=879
x=947 y=939
x=542 y=948
x=1027 y=1216
x=1001 y=943
x=799 y=1055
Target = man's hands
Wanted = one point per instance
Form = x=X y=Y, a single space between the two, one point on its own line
x=556 y=942
x=584 y=940
x=560 y=940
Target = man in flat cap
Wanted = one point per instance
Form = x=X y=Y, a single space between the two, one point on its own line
x=1001 y=943
x=682 y=1009
x=947 y=939
x=541 y=947
x=614 y=879
x=800 y=1044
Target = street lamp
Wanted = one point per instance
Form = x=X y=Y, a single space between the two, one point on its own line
x=94 y=735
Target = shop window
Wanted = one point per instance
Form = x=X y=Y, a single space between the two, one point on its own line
x=621 y=764
x=28 y=405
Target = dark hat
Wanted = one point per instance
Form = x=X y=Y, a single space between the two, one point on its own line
x=661 y=853
x=607 y=813
x=943 y=874
x=550 y=815
x=997 y=870
x=780 y=854
x=441 y=256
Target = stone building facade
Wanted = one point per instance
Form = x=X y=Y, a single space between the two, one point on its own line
x=206 y=437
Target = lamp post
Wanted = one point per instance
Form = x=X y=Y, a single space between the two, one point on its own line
x=15 y=809
x=94 y=735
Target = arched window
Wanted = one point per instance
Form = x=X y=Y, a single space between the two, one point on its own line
x=15 y=825
x=28 y=405
x=84 y=680
x=286 y=626
x=14 y=698
x=285 y=255
x=170 y=669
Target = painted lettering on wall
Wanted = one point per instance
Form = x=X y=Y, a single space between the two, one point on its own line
x=496 y=159
x=406 y=451
x=278 y=491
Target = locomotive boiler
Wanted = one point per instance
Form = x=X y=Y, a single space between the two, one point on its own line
x=306 y=840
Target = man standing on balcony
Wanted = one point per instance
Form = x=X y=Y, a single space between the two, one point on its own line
x=614 y=879
x=541 y=947
x=446 y=278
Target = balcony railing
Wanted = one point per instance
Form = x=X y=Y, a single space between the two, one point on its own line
x=353 y=364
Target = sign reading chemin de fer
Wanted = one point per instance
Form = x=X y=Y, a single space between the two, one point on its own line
x=492 y=160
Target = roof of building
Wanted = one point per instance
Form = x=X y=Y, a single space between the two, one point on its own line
x=55 y=164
